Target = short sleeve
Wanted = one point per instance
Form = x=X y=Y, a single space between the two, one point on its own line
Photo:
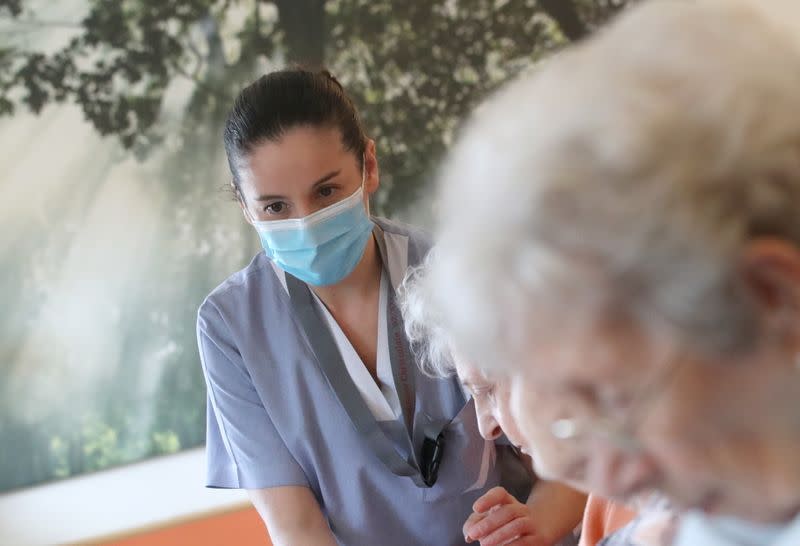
x=243 y=447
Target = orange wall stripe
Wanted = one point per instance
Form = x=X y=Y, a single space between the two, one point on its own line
x=239 y=528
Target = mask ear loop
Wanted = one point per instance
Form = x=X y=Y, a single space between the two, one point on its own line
x=363 y=170
x=364 y=179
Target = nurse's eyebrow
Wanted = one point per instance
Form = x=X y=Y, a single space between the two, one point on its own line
x=322 y=180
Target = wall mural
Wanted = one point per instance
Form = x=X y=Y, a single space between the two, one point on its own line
x=115 y=218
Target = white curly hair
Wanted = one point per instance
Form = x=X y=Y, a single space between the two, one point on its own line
x=423 y=324
x=624 y=175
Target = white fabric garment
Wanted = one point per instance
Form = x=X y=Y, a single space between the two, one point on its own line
x=382 y=400
x=488 y=458
x=698 y=529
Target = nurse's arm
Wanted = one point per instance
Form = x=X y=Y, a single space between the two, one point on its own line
x=292 y=516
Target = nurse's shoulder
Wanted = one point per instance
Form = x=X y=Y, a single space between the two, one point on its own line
x=420 y=240
x=241 y=297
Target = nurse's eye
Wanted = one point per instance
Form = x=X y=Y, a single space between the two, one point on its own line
x=326 y=191
x=275 y=208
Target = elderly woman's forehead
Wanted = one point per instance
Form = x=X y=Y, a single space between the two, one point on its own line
x=597 y=355
x=469 y=371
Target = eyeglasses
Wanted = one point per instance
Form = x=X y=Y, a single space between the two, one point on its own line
x=622 y=433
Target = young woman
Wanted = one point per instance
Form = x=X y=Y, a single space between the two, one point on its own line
x=315 y=403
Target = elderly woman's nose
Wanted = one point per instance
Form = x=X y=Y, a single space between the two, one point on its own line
x=490 y=431
x=487 y=424
x=616 y=472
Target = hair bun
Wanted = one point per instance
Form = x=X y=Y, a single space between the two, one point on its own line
x=325 y=72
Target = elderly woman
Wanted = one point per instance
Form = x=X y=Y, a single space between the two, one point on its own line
x=620 y=234
x=555 y=508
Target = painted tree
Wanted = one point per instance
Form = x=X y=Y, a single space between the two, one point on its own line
x=415 y=68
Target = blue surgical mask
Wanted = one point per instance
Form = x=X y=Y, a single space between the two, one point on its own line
x=322 y=248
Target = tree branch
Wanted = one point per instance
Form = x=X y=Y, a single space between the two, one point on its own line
x=303 y=24
x=14 y=7
x=198 y=57
x=256 y=20
x=36 y=23
x=202 y=86
x=566 y=15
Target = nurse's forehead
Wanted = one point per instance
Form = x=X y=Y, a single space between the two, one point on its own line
x=298 y=148
x=600 y=358
x=267 y=170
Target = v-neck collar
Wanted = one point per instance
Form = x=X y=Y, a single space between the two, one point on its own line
x=382 y=400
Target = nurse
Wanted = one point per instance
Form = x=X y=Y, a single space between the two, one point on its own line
x=315 y=404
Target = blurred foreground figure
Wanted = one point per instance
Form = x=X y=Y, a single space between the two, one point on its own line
x=620 y=236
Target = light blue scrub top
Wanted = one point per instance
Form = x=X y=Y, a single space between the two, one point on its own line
x=273 y=420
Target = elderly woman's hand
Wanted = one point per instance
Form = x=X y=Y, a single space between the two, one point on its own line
x=499 y=519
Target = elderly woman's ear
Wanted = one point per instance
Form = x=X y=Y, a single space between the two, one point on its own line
x=771 y=271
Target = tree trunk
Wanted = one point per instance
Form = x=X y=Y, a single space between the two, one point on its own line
x=303 y=25
x=76 y=457
x=566 y=15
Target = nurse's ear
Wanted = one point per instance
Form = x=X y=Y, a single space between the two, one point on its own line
x=371 y=170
